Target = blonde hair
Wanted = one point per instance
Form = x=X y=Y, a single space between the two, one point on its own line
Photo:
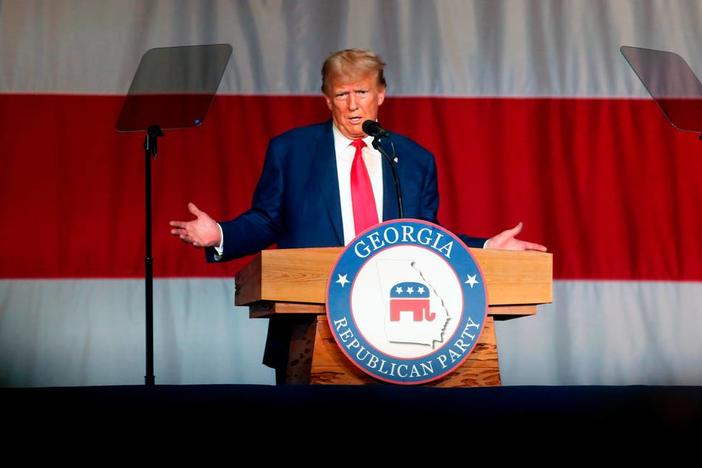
x=350 y=65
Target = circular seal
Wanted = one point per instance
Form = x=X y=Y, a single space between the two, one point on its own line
x=406 y=302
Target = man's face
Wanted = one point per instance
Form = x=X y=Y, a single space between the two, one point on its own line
x=353 y=103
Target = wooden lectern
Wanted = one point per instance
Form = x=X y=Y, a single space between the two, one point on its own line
x=291 y=285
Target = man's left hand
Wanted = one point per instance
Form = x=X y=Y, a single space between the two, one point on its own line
x=507 y=240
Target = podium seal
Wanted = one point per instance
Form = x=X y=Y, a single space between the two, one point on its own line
x=406 y=302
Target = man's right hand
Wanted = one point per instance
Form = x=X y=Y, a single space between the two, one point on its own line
x=201 y=232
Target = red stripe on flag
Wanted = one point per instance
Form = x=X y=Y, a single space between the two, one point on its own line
x=607 y=185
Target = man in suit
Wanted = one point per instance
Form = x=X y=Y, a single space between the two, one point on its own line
x=323 y=184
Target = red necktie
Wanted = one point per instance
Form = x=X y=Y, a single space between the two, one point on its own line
x=365 y=213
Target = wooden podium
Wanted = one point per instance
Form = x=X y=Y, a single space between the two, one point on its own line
x=291 y=285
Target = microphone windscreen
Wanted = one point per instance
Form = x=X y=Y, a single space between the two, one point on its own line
x=372 y=128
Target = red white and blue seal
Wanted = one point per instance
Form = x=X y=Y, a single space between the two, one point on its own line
x=406 y=302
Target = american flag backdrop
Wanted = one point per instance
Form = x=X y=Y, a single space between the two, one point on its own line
x=531 y=112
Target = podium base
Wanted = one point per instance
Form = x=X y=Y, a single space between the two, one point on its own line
x=316 y=359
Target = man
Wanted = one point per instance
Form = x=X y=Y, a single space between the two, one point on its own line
x=303 y=197
x=323 y=184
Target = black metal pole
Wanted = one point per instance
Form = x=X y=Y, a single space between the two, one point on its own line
x=150 y=150
x=377 y=144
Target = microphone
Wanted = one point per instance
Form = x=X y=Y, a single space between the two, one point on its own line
x=373 y=128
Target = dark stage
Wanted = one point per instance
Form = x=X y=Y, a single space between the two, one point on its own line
x=335 y=413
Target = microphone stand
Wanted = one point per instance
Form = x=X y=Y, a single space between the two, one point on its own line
x=377 y=144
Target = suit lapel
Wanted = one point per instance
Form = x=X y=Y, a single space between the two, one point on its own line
x=328 y=179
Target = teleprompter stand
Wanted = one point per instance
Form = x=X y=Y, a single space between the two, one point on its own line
x=173 y=88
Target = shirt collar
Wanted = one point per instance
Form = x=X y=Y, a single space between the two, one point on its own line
x=341 y=142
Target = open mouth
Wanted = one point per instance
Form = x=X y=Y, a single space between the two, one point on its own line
x=355 y=120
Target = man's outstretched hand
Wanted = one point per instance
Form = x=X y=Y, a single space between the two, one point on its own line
x=507 y=240
x=201 y=231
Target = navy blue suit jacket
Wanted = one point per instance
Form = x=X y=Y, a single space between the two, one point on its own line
x=296 y=202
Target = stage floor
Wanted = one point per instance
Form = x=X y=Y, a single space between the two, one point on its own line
x=378 y=408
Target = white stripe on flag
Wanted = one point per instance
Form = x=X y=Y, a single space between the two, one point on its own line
x=565 y=48
x=91 y=332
